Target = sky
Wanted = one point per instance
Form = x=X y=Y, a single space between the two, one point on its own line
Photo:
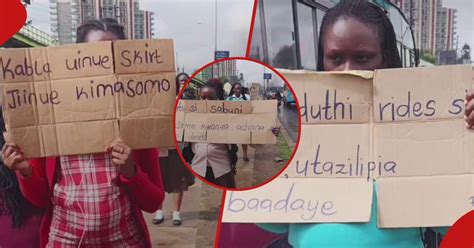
x=253 y=73
x=465 y=29
x=191 y=24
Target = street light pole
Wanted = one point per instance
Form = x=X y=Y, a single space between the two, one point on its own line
x=215 y=39
x=215 y=27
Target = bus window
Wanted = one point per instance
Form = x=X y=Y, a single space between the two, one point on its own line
x=307 y=41
x=280 y=33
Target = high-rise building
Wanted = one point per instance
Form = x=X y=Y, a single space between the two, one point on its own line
x=65 y=18
x=227 y=68
x=434 y=26
x=206 y=74
x=67 y=15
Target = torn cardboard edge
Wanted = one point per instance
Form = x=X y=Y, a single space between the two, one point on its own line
x=57 y=140
x=362 y=100
x=424 y=201
x=422 y=191
x=91 y=59
x=32 y=66
x=431 y=196
x=227 y=137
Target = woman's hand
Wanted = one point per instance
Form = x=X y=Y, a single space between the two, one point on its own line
x=276 y=131
x=14 y=159
x=468 y=111
x=122 y=156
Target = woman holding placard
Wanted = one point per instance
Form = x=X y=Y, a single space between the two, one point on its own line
x=214 y=162
x=236 y=94
x=176 y=176
x=94 y=200
x=355 y=35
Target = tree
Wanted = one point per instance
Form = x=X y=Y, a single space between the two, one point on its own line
x=285 y=58
x=429 y=58
x=224 y=79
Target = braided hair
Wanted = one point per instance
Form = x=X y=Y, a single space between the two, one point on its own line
x=105 y=24
x=369 y=13
x=182 y=74
x=218 y=86
x=242 y=90
x=13 y=201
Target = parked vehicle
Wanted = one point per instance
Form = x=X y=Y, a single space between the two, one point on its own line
x=288 y=98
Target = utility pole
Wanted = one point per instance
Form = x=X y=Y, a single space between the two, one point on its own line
x=264 y=85
x=215 y=27
x=215 y=41
x=457 y=42
x=412 y=15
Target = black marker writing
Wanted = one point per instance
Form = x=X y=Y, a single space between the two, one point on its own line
x=11 y=71
x=15 y=98
x=215 y=127
x=310 y=209
x=458 y=106
x=408 y=110
x=354 y=167
x=332 y=109
x=184 y=125
x=131 y=88
x=225 y=110
x=83 y=62
x=131 y=57
x=196 y=137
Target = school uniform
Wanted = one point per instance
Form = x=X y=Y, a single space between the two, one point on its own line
x=90 y=203
x=212 y=162
x=176 y=176
x=240 y=98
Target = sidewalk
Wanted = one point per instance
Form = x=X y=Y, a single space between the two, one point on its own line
x=199 y=213
x=262 y=165
x=245 y=170
x=200 y=209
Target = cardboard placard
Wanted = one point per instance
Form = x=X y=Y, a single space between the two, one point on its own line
x=179 y=127
x=332 y=97
x=424 y=201
x=301 y=200
x=423 y=94
x=69 y=99
x=193 y=106
x=24 y=65
x=228 y=107
x=143 y=56
x=78 y=61
x=404 y=128
x=255 y=91
x=227 y=122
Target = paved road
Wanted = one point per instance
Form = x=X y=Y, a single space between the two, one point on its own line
x=289 y=118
